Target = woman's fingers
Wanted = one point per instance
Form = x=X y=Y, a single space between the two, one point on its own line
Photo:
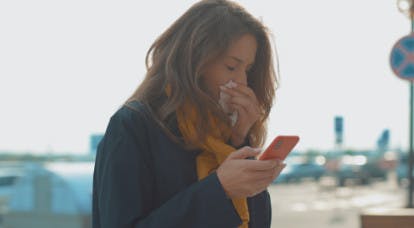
x=240 y=109
x=248 y=102
x=243 y=90
x=263 y=179
x=267 y=175
x=242 y=177
x=234 y=92
x=248 y=106
x=258 y=165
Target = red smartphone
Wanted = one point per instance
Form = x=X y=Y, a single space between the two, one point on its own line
x=280 y=147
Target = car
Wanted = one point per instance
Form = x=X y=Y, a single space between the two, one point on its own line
x=362 y=166
x=351 y=167
x=299 y=168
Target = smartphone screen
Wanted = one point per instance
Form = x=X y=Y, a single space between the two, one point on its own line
x=280 y=147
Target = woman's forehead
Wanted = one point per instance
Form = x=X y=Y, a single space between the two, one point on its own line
x=242 y=50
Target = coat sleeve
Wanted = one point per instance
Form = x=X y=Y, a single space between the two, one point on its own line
x=124 y=189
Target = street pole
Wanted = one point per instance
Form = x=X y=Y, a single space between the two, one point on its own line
x=411 y=156
x=407 y=8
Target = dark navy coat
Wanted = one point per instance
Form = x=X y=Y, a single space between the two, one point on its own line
x=144 y=179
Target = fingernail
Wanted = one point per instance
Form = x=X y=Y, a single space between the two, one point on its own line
x=257 y=150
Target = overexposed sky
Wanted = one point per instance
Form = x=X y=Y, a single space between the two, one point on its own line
x=66 y=66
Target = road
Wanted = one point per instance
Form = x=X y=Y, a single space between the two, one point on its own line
x=323 y=205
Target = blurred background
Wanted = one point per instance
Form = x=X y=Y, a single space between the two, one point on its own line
x=67 y=66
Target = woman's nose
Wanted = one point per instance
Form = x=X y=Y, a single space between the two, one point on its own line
x=241 y=78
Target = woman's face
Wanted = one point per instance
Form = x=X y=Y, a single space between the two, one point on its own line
x=233 y=65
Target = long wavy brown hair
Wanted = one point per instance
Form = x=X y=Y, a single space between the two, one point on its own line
x=179 y=56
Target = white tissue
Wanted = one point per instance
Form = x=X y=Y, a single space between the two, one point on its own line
x=223 y=102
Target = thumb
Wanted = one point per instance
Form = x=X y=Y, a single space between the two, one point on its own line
x=244 y=153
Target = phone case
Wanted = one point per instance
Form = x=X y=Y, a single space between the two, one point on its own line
x=280 y=147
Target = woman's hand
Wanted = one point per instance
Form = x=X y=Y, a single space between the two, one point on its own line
x=244 y=101
x=241 y=177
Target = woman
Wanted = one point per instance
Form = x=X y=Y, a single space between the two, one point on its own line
x=175 y=154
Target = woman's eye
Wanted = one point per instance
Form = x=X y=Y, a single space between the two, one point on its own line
x=230 y=68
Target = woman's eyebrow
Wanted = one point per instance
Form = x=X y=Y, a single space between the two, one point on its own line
x=239 y=60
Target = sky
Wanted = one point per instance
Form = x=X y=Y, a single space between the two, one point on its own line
x=67 y=66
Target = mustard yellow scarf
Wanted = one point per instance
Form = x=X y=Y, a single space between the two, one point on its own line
x=214 y=150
